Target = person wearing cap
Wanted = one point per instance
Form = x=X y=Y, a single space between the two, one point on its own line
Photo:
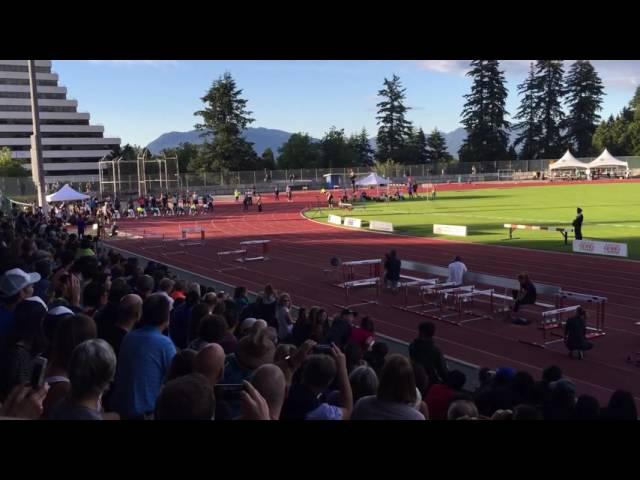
x=577 y=224
x=340 y=330
x=457 y=269
x=15 y=286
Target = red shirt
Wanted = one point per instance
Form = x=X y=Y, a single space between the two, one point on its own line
x=362 y=337
x=177 y=294
x=438 y=399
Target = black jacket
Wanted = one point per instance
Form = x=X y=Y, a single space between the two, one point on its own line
x=575 y=332
x=393 y=266
x=424 y=352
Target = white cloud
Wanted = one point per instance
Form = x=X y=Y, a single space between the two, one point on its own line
x=135 y=63
x=618 y=74
x=458 y=67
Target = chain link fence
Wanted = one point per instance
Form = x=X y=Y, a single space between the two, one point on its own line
x=266 y=180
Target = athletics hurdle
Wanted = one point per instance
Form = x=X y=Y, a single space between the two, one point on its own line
x=185 y=231
x=564 y=231
x=552 y=319
x=249 y=243
x=348 y=272
x=597 y=301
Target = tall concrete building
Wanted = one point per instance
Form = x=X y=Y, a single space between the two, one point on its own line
x=71 y=146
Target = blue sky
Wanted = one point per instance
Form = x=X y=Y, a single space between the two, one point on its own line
x=138 y=100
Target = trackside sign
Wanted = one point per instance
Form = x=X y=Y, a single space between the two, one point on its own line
x=596 y=247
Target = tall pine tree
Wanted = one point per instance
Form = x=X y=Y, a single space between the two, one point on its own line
x=584 y=92
x=529 y=128
x=394 y=129
x=359 y=143
x=483 y=115
x=226 y=116
x=334 y=150
x=419 y=141
x=549 y=91
x=437 y=151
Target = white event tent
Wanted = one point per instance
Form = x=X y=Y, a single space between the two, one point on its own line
x=66 y=194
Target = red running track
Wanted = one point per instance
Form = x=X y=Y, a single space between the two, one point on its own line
x=301 y=249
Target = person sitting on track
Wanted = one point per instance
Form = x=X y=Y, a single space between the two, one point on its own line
x=392 y=266
x=575 y=332
x=457 y=269
x=526 y=295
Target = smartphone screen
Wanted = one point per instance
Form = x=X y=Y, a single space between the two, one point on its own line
x=229 y=392
x=325 y=349
x=38 y=372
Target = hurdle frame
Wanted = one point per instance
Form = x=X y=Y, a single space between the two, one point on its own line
x=563 y=231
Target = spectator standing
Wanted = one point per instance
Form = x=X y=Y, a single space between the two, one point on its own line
x=397 y=397
x=457 y=269
x=424 y=351
x=144 y=360
x=91 y=371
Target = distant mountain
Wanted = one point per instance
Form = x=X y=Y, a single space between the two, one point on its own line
x=262 y=138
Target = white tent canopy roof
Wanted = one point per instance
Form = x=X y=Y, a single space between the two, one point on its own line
x=66 y=194
x=568 y=161
x=606 y=160
x=372 y=179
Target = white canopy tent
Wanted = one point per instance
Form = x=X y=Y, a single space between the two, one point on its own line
x=66 y=194
x=606 y=161
x=372 y=180
x=568 y=162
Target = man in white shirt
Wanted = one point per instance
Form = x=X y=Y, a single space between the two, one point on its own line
x=457 y=269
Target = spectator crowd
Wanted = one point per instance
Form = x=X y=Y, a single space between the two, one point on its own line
x=87 y=334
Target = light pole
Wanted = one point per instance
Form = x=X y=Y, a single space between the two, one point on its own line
x=37 y=168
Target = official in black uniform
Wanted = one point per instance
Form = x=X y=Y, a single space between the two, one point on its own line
x=577 y=225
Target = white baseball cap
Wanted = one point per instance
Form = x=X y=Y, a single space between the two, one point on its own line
x=14 y=280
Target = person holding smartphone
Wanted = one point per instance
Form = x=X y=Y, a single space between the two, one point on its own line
x=307 y=399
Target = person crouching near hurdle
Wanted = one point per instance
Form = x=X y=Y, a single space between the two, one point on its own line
x=392 y=266
x=329 y=198
x=526 y=295
x=457 y=269
x=575 y=334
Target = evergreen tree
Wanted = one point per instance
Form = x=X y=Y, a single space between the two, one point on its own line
x=334 y=150
x=483 y=115
x=621 y=135
x=394 y=128
x=529 y=128
x=419 y=142
x=548 y=104
x=437 y=151
x=185 y=152
x=267 y=159
x=299 y=152
x=359 y=143
x=226 y=116
x=584 y=92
